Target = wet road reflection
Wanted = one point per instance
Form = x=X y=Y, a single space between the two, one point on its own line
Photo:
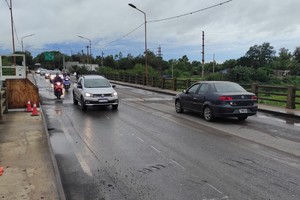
x=145 y=150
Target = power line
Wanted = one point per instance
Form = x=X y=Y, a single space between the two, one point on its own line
x=169 y=18
x=7 y=4
x=16 y=31
x=125 y=35
x=190 y=13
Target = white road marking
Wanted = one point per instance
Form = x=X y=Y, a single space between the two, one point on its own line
x=173 y=161
x=140 y=139
x=83 y=164
x=132 y=99
x=214 y=188
x=155 y=149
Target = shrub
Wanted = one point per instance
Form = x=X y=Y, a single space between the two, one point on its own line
x=216 y=77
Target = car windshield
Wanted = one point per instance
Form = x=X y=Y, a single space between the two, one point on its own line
x=96 y=83
x=229 y=87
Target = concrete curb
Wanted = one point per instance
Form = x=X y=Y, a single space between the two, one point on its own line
x=59 y=185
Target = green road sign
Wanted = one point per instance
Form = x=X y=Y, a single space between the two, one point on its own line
x=49 y=55
x=8 y=71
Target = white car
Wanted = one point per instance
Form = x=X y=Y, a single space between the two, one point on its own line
x=95 y=90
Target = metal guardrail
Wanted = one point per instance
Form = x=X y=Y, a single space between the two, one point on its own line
x=3 y=102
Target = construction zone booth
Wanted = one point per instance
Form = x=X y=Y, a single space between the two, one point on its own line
x=13 y=79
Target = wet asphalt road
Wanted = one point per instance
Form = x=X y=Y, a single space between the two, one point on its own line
x=145 y=150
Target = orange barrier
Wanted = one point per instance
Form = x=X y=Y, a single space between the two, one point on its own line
x=29 y=109
x=34 y=110
x=1 y=171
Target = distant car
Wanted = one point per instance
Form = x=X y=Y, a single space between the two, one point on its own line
x=38 y=70
x=42 y=72
x=47 y=74
x=95 y=90
x=217 y=99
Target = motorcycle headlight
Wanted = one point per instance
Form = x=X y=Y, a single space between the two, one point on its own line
x=88 y=94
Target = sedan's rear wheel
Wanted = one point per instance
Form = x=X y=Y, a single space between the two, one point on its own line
x=208 y=114
x=178 y=106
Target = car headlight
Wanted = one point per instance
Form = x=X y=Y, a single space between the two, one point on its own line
x=115 y=94
x=88 y=94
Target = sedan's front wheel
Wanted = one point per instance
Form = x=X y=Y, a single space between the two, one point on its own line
x=178 y=106
x=115 y=107
x=75 y=102
x=208 y=114
x=83 y=106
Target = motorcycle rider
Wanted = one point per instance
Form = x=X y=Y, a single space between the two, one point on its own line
x=66 y=81
x=57 y=78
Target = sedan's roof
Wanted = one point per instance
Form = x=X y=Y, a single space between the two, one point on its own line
x=215 y=82
x=93 y=77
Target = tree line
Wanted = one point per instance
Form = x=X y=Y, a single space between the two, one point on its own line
x=258 y=64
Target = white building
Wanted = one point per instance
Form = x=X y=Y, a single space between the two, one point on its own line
x=90 y=67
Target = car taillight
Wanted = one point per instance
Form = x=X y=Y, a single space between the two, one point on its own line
x=254 y=98
x=225 y=98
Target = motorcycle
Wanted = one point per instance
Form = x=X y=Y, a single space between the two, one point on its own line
x=58 y=89
x=67 y=83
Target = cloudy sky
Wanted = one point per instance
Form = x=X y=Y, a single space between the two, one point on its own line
x=113 y=26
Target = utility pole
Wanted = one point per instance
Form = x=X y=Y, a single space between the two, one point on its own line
x=202 y=74
x=102 y=61
x=87 y=54
x=64 y=66
x=12 y=30
x=213 y=63
x=159 y=55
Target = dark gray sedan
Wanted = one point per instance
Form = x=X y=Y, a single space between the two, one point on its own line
x=217 y=99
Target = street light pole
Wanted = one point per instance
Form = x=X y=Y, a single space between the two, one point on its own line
x=89 y=42
x=22 y=40
x=145 y=19
x=12 y=27
x=12 y=31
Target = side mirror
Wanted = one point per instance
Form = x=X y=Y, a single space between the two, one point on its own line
x=79 y=86
x=114 y=86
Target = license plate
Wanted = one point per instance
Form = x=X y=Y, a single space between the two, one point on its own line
x=243 y=110
x=103 y=100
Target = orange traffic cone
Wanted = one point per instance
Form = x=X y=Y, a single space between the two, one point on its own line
x=29 y=109
x=1 y=171
x=34 y=110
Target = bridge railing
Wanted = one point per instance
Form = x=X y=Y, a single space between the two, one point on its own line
x=284 y=96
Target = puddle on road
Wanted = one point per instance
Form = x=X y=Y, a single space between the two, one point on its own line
x=280 y=119
x=59 y=143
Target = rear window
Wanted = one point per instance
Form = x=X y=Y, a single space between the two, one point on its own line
x=228 y=87
x=96 y=83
